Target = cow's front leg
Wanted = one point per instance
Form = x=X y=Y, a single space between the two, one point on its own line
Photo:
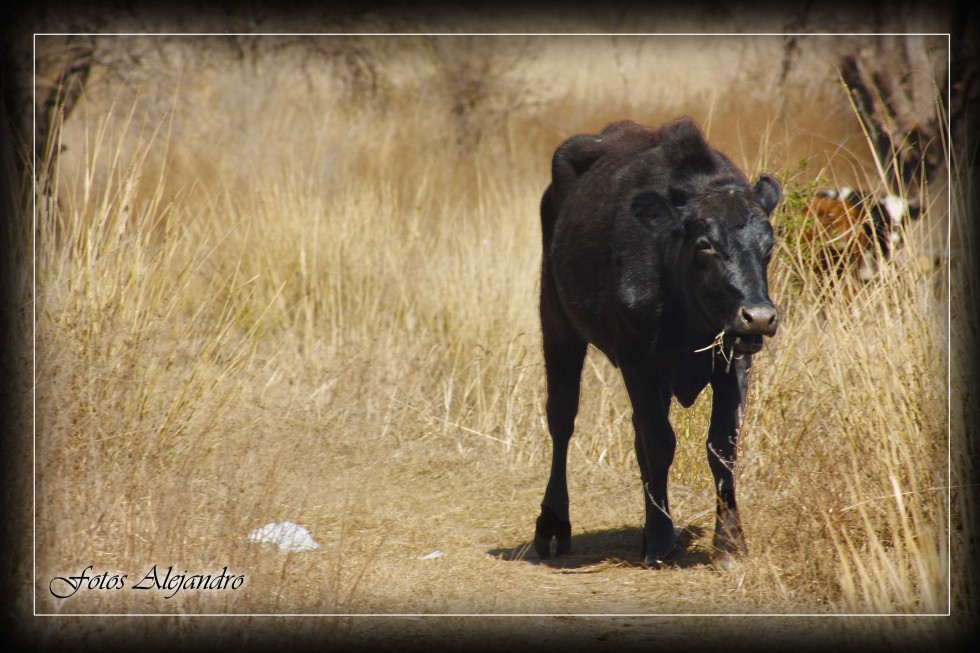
x=729 y=390
x=564 y=354
x=553 y=522
x=655 y=444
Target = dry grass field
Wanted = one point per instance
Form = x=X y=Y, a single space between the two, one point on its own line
x=276 y=288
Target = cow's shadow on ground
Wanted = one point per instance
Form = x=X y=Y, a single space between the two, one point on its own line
x=620 y=546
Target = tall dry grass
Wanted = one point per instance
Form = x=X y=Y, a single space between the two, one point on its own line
x=263 y=298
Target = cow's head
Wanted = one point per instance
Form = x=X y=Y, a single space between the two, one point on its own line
x=724 y=243
x=727 y=244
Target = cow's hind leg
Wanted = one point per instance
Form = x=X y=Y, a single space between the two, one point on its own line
x=564 y=353
x=729 y=391
x=655 y=444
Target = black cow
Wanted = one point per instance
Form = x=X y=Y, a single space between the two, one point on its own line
x=655 y=251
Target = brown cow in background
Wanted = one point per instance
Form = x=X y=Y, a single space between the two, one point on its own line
x=852 y=231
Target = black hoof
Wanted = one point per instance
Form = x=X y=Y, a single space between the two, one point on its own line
x=659 y=558
x=549 y=526
x=660 y=552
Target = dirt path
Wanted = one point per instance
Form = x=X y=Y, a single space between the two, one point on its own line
x=445 y=531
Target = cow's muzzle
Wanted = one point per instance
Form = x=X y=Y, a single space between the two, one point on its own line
x=756 y=320
x=752 y=323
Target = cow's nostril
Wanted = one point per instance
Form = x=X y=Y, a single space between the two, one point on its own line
x=758 y=319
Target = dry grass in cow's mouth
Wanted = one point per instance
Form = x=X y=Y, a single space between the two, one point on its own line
x=718 y=343
x=748 y=344
x=728 y=345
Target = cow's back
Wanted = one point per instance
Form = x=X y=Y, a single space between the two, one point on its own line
x=672 y=159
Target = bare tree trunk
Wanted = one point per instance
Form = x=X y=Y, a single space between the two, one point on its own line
x=896 y=89
x=911 y=93
x=56 y=100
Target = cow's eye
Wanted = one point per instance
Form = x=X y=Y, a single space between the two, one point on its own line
x=703 y=246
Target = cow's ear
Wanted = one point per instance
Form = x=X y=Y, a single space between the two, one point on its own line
x=767 y=191
x=650 y=208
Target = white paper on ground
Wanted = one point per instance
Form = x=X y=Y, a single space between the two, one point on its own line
x=286 y=535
